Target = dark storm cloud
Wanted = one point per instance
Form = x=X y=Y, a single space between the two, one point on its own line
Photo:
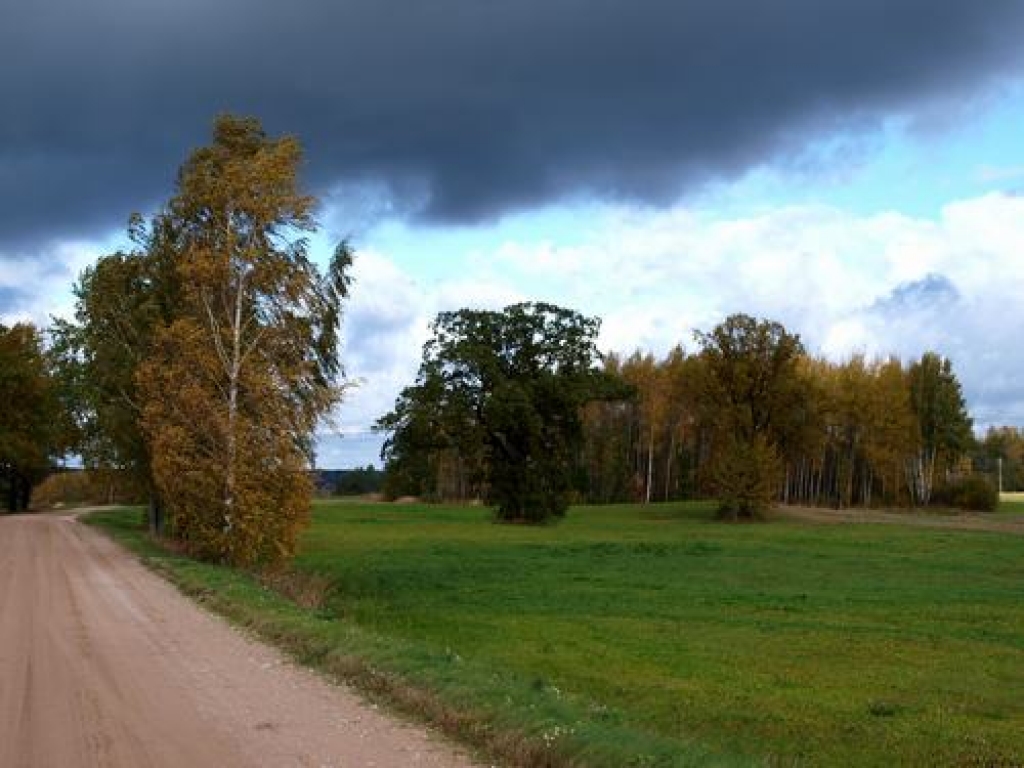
x=480 y=106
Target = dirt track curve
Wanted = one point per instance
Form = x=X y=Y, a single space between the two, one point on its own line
x=104 y=664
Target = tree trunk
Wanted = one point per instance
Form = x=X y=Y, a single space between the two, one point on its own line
x=930 y=476
x=650 y=466
x=155 y=515
x=853 y=472
x=668 y=463
x=819 y=486
x=233 y=381
x=11 y=499
x=26 y=495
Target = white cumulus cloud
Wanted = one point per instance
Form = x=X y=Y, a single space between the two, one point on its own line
x=881 y=284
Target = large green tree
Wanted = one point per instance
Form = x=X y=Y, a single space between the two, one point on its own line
x=503 y=392
x=33 y=427
x=121 y=303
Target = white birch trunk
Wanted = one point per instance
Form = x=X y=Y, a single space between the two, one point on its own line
x=234 y=376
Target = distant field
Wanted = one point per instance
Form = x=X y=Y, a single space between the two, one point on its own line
x=1012 y=502
x=654 y=636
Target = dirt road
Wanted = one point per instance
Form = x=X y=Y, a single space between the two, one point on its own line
x=104 y=664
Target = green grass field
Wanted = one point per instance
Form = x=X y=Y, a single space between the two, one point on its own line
x=1012 y=503
x=655 y=636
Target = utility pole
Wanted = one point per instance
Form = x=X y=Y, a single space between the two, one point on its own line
x=1000 y=460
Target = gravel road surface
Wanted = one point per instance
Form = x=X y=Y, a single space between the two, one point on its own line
x=102 y=663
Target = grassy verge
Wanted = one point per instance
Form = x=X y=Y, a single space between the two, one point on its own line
x=653 y=636
x=520 y=720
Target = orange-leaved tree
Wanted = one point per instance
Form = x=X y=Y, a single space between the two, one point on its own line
x=239 y=379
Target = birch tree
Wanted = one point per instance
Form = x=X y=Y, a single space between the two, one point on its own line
x=238 y=381
x=645 y=375
x=608 y=453
x=943 y=423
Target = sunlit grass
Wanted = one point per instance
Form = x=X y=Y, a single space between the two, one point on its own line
x=1012 y=503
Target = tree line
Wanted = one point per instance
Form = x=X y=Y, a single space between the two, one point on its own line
x=751 y=407
x=748 y=417
x=200 y=360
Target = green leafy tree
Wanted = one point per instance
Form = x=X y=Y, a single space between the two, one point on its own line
x=433 y=448
x=505 y=391
x=34 y=429
x=121 y=303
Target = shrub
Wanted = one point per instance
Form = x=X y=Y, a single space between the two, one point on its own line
x=971 y=493
x=745 y=477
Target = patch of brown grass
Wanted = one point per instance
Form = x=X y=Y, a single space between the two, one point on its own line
x=307 y=590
